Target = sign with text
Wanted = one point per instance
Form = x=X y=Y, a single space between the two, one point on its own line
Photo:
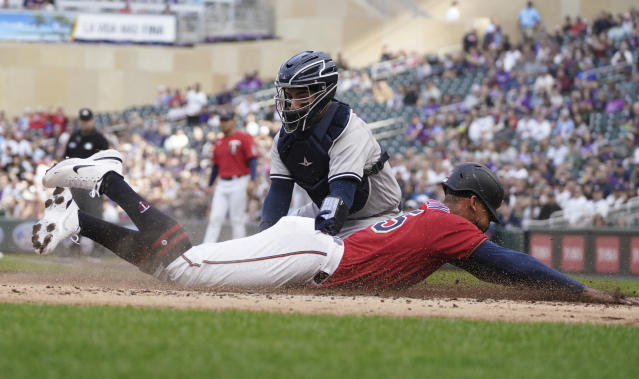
x=607 y=254
x=634 y=255
x=541 y=248
x=125 y=28
x=572 y=253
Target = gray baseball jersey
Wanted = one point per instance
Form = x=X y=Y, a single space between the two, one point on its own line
x=354 y=151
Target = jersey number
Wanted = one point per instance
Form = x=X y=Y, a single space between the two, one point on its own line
x=394 y=223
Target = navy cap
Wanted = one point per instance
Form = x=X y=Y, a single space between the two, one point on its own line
x=85 y=114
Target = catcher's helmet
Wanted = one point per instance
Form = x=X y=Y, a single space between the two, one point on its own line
x=314 y=72
x=479 y=180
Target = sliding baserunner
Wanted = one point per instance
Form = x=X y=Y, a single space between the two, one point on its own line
x=396 y=253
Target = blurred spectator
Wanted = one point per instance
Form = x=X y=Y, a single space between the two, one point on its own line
x=529 y=20
x=195 y=100
x=431 y=92
x=415 y=130
x=548 y=206
x=452 y=13
x=127 y=7
x=471 y=39
x=492 y=35
x=565 y=125
x=386 y=54
x=382 y=92
x=251 y=82
x=602 y=23
x=623 y=55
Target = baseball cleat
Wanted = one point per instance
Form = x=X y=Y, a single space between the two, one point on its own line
x=59 y=222
x=84 y=173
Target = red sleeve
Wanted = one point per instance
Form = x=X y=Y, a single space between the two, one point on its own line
x=456 y=237
x=250 y=150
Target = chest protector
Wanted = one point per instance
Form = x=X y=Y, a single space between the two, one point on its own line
x=306 y=155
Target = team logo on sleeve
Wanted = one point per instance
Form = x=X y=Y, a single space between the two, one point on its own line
x=394 y=223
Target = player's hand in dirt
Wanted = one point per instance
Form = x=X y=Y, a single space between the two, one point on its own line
x=599 y=296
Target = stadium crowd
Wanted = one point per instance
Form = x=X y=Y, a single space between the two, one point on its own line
x=558 y=124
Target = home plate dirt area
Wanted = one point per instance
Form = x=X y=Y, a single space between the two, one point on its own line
x=119 y=284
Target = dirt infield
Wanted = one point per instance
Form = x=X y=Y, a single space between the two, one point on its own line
x=119 y=284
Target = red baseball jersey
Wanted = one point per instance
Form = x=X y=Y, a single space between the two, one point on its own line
x=404 y=250
x=232 y=153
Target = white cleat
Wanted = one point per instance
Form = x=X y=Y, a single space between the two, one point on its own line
x=84 y=173
x=59 y=222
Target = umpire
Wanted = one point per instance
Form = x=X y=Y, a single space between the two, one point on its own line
x=83 y=143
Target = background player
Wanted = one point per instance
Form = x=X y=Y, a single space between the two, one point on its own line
x=83 y=143
x=328 y=151
x=398 y=252
x=235 y=161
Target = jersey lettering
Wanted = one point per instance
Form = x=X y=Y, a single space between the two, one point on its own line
x=233 y=145
x=394 y=223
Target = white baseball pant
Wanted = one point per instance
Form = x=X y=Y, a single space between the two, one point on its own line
x=230 y=197
x=291 y=253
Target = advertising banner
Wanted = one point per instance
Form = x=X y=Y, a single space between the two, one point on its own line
x=572 y=253
x=634 y=255
x=607 y=254
x=541 y=248
x=36 y=26
x=125 y=28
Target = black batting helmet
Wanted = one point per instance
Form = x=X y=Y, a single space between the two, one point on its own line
x=479 y=180
x=313 y=71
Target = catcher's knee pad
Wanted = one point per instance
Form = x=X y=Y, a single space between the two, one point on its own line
x=164 y=249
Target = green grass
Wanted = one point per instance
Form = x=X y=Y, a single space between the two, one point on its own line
x=447 y=278
x=38 y=341
x=29 y=263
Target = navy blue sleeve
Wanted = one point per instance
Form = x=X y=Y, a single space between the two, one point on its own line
x=344 y=188
x=252 y=163
x=213 y=175
x=277 y=202
x=496 y=264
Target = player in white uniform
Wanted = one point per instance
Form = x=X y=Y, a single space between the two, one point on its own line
x=325 y=148
x=235 y=163
x=292 y=253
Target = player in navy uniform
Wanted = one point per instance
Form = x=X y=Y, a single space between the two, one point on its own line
x=328 y=151
x=83 y=143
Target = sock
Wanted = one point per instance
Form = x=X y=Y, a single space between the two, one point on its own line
x=145 y=216
x=160 y=239
x=124 y=242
